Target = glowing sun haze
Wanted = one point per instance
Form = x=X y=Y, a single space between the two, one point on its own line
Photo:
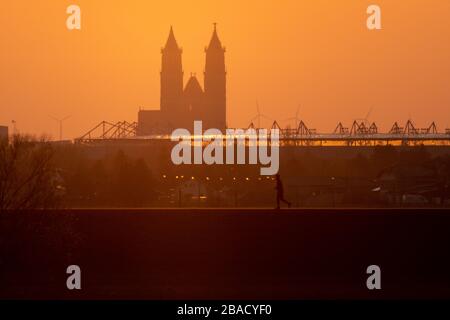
x=316 y=53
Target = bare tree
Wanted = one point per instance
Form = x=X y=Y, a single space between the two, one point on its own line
x=27 y=176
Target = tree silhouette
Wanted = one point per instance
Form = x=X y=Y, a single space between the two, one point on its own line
x=28 y=179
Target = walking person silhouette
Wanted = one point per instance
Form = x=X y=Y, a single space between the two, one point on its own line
x=280 y=192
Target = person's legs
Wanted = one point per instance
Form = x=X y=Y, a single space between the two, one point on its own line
x=280 y=197
x=285 y=201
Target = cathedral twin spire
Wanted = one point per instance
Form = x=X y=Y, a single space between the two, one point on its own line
x=209 y=102
x=213 y=44
x=171 y=42
x=172 y=48
x=181 y=106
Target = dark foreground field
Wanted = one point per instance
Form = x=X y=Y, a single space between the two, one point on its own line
x=225 y=254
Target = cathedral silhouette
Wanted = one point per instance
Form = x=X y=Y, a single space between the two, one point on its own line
x=181 y=106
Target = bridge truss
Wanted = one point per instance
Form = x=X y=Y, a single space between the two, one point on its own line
x=359 y=134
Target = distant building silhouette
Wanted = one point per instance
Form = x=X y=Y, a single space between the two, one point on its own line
x=181 y=106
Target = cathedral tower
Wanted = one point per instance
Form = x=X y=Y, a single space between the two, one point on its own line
x=171 y=77
x=215 y=83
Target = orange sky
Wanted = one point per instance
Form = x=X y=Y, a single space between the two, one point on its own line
x=316 y=53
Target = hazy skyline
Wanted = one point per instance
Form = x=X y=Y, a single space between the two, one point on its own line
x=315 y=53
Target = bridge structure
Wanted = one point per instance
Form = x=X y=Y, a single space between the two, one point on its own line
x=360 y=133
x=110 y=131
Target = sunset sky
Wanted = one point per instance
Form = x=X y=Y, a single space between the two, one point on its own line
x=315 y=53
